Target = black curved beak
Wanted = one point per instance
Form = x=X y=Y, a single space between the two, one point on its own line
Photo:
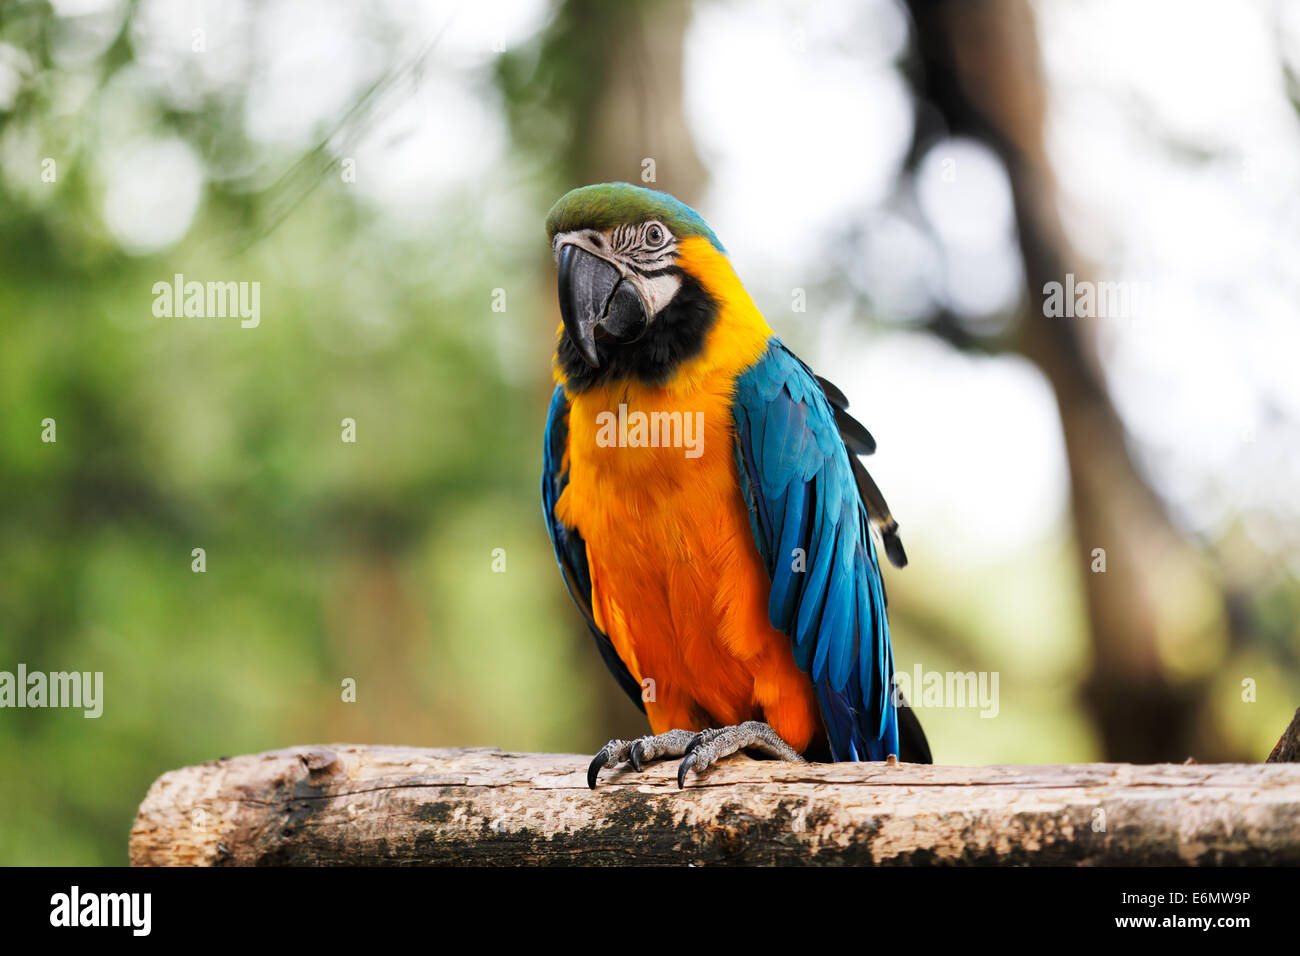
x=596 y=303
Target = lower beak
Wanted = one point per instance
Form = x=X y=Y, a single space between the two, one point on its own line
x=596 y=303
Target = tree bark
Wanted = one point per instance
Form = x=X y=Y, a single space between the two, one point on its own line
x=361 y=805
x=1287 y=749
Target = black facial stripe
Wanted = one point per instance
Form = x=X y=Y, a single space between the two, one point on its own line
x=624 y=238
x=653 y=273
x=656 y=262
x=676 y=335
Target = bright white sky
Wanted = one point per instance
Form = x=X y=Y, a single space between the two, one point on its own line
x=970 y=451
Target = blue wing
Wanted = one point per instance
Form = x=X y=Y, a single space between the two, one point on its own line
x=811 y=526
x=570 y=549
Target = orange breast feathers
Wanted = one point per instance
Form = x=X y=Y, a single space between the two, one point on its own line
x=677 y=580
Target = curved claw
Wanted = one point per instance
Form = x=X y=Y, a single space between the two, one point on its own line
x=593 y=770
x=687 y=763
x=636 y=756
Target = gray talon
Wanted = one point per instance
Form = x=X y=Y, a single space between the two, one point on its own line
x=593 y=769
x=639 y=752
x=686 y=765
x=701 y=750
x=710 y=746
x=612 y=753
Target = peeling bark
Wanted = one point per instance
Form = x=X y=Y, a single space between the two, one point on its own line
x=1287 y=749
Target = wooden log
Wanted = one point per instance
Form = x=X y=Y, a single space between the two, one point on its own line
x=359 y=805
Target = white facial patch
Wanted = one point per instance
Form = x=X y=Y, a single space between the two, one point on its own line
x=657 y=291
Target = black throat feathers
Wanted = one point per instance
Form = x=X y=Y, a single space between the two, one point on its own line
x=676 y=335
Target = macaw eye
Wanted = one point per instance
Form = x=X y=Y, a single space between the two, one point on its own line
x=654 y=235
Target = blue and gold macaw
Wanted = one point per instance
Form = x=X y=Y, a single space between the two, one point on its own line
x=708 y=510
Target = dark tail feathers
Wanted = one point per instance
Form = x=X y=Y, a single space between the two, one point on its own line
x=912 y=745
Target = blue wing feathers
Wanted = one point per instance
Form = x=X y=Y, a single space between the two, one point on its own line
x=785 y=582
x=801 y=492
x=759 y=520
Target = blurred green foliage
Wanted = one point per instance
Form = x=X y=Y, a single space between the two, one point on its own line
x=324 y=560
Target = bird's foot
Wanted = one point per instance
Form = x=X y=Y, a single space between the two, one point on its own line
x=640 y=751
x=700 y=750
x=710 y=746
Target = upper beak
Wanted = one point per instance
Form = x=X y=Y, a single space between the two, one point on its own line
x=595 y=301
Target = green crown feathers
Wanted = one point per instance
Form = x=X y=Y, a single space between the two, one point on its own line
x=606 y=205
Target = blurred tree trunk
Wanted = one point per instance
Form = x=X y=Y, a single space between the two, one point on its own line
x=614 y=74
x=1157 y=598
x=639 y=116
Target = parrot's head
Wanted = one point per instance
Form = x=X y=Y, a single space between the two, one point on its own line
x=634 y=293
